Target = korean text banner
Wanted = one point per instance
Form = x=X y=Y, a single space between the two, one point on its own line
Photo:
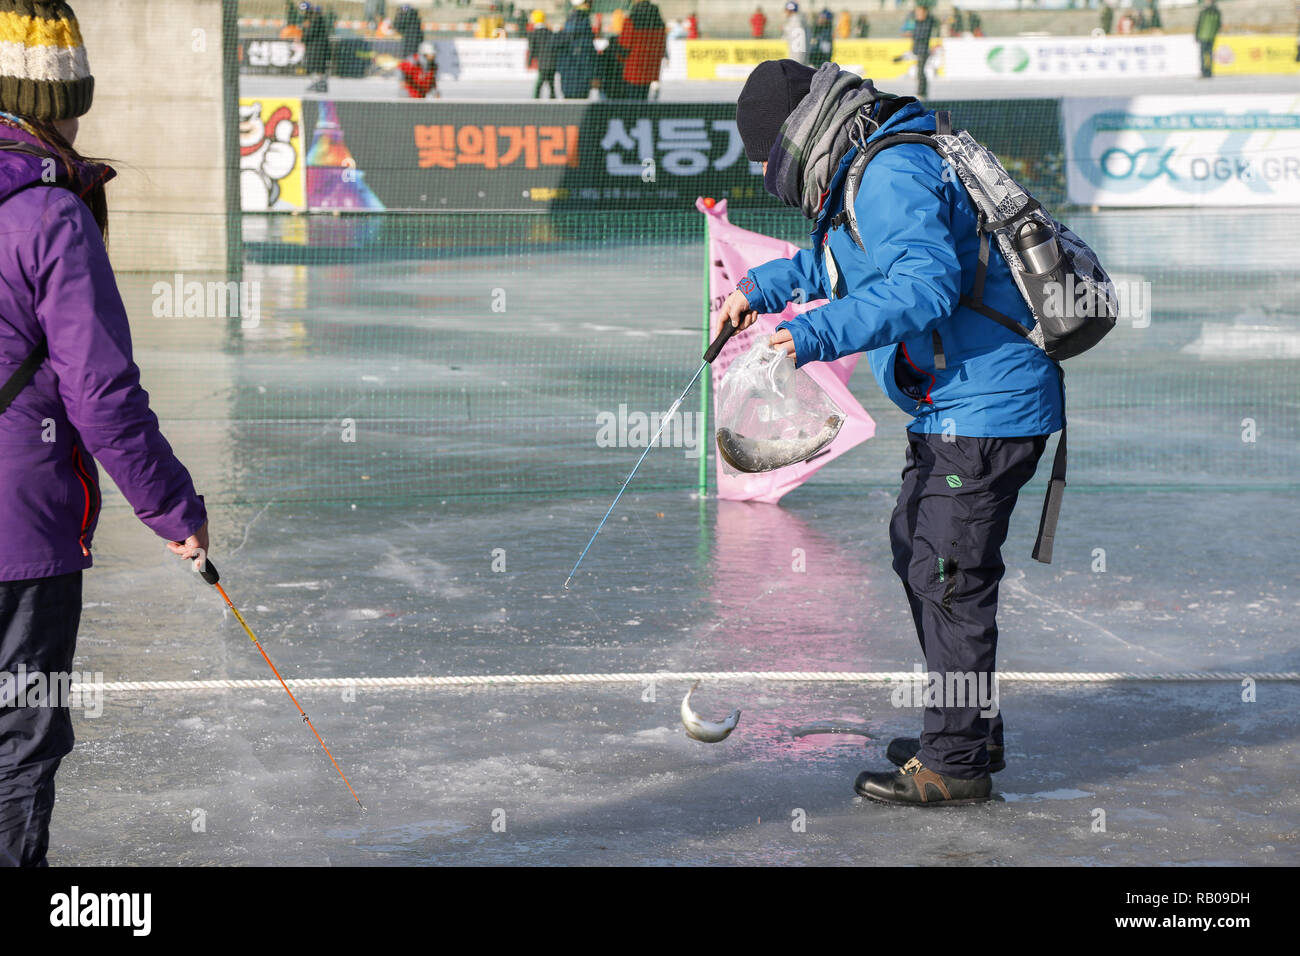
x=522 y=157
x=1183 y=150
x=736 y=59
x=271 y=55
x=1036 y=58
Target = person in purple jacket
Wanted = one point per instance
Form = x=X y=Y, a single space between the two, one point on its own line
x=69 y=395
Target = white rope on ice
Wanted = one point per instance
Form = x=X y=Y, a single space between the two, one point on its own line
x=832 y=677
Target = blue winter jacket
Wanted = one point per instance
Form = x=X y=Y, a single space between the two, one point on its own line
x=922 y=250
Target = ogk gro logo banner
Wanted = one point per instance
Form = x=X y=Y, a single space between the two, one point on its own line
x=1183 y=150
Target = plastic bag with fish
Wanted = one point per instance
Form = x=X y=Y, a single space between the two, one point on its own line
x=771 y=414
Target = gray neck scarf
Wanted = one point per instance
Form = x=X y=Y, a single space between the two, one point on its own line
x=816 y=136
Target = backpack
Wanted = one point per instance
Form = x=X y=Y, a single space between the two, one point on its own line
x=1072 y=298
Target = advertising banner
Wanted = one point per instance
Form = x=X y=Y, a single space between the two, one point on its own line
x=271 y=56
x=526 y=157
x=423 y=155
x=469 y=59
x=1028 y=58
x=271 y=156
x=734 y=59
x=1257 y=53
x=1183 y=150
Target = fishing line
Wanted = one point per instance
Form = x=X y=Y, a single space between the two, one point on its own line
x=727 y=330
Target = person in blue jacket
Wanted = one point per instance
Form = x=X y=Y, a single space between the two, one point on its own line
x=983 y=400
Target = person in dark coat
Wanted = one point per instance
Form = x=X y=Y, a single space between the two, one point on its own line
x=316 y=32
x=577 y=54
x=407 y=24
x=61 y=319
x=922 y=31
x=543 y=47
x=608 y=75
x=822 y=43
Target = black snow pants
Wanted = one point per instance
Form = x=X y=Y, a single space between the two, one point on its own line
x=947 y=533
x=38 y=633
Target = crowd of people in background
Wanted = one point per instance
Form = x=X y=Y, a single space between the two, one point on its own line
x=627 y=68
x=572 y=61
x=815 y=45
x=816 y=40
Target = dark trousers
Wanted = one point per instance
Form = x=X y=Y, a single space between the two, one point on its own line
x=922 y=81
x=947 y=533
x=545 y=78
x=38 y=632
x=1207 y=58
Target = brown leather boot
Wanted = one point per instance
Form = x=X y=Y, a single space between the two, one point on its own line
x=915 y=786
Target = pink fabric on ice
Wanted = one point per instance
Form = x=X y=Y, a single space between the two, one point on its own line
x=733 y=252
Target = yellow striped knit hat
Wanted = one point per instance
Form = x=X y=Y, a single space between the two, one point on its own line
x=44 y=73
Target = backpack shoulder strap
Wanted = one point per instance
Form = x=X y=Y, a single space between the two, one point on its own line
x=1055 y=492
x=18 y=381
x=859 y=168
x=1051 y=505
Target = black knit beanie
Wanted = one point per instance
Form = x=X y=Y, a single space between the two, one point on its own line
x=770 y=95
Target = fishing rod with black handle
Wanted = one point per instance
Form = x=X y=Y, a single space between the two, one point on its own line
x=727 y=331
x=208 y=572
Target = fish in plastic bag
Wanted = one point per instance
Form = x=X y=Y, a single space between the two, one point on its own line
x=771 y=414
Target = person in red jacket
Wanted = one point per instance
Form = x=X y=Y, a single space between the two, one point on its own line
x=692 y=27
x=758 y=23
x=420 y=73
x=644 y=41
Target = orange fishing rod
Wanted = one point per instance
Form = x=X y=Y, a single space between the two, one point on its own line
x=209 y=574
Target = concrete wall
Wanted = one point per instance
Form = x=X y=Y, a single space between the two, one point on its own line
x=157 y=116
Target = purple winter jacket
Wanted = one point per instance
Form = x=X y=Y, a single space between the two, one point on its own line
x=85 y=399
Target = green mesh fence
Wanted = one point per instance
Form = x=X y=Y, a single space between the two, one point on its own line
x=444 y=313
